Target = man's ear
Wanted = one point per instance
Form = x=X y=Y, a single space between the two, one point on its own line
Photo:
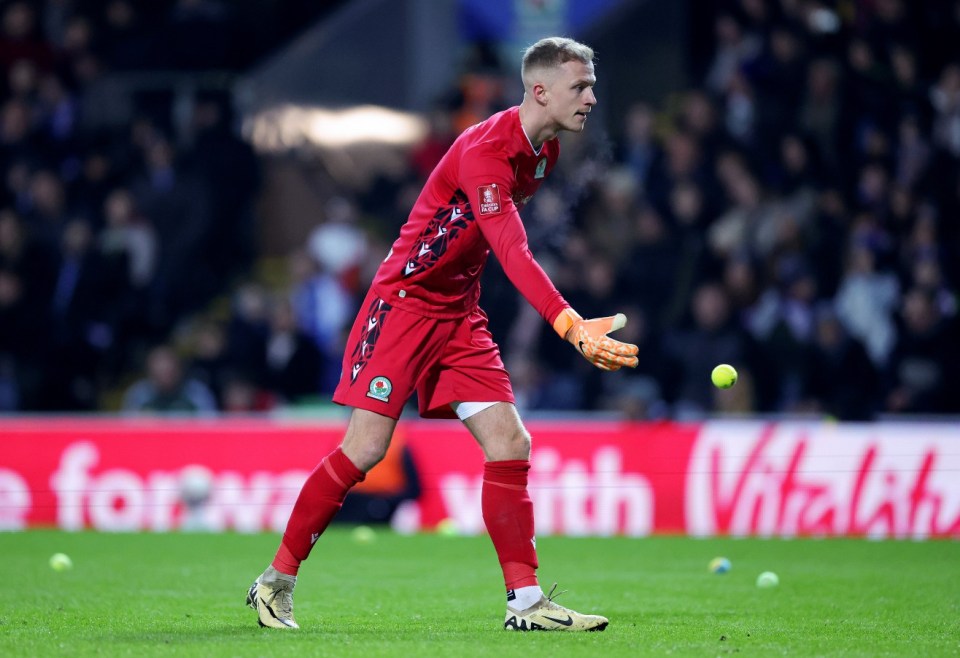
x=540 y=93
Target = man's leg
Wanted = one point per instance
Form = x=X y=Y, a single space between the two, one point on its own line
x=365 y=443
x=508 y=515
x=507 y=508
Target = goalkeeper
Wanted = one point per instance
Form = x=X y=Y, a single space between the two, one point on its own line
x=420 y=329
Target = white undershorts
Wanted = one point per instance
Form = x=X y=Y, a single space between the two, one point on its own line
x=466 y=409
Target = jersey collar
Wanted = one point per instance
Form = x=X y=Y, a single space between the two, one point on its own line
x=536 y=151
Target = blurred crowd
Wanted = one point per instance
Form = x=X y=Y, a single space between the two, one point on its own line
x=795 y=213
x=115 y=221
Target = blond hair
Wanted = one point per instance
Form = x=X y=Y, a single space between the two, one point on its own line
x=552 y=52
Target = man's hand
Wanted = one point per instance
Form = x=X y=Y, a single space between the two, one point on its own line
x=591 y=340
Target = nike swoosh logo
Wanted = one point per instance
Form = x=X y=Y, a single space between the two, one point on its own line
x=563 y=622
x=581 y=347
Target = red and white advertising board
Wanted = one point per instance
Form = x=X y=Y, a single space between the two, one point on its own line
x=587 y=478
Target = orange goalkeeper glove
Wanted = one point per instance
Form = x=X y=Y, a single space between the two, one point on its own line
x=591 y=340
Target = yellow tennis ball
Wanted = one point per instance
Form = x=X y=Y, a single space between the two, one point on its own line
x=447 y=527
x=767 y=580
x=363 y=534
x=61 y=562
x=724 y=376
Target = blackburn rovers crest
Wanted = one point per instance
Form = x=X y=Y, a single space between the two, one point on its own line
x=380 y=389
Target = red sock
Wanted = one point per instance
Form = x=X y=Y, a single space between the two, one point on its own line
x=508 y=514
x=320 y=499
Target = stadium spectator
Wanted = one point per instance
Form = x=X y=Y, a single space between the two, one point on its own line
x=821 y=109
x=248 y=327
x=866 y=300
x=322 y=307
x=925 y=360
x=85 y=313
x=127 y=42
x=21 y=39
x=612 y=216
x=648 y=273
x=126 y=232
x=166 y=389
x=945 y=100
x=648 y=391
x=841 y=380
x=735 y=47
x=178 y=205
x=228 y=170
x=209 y=361
x=293 y=364
x=711 y=337
x=243 y=395
x=637 y=147
x=781 y=327
x=21 y=345
x=338 y=244
x=47 y=211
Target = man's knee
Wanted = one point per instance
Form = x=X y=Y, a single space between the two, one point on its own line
x=520 y=439
x=365 y=453
x=367 y=438
x=500 y=433
x=514 y=444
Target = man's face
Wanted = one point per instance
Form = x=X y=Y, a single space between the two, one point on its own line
x=570 y=92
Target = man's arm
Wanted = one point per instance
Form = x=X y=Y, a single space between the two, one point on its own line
x=499 y=221
x=508 y=239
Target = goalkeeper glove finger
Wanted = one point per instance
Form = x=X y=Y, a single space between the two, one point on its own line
x=590 y=338
x=605 y=365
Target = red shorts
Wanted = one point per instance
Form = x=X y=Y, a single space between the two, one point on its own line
x=391 y=353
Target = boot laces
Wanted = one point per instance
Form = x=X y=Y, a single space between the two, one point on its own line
x=551 y=596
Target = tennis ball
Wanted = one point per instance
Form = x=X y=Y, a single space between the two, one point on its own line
x=61 y=562
x=447 y=527
x=724 y=376
x=767 y=580
x=720 y=565
x=363 y=534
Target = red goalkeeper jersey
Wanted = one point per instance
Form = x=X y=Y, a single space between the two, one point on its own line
x=469 y=206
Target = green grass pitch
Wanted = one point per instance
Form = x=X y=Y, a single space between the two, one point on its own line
x=429 y=595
